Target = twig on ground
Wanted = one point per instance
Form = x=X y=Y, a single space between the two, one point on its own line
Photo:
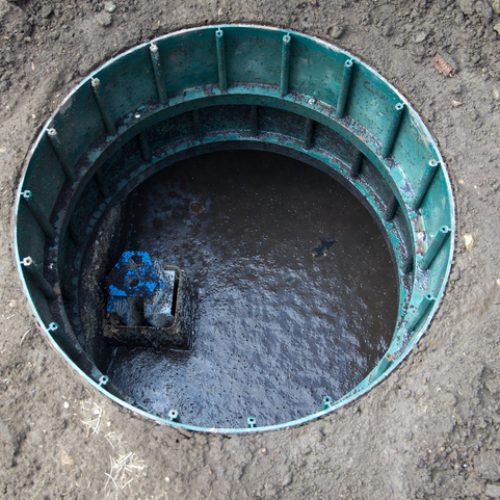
x=24 y=336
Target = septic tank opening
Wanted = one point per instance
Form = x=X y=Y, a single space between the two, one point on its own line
x=295 y=289
x=234 y=228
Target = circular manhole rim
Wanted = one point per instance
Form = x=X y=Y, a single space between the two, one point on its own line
x=429 y=301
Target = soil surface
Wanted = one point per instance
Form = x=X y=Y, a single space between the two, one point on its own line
x=296 y=294
x=429 y=431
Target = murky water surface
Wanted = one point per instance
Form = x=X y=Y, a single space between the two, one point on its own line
x=296 y=291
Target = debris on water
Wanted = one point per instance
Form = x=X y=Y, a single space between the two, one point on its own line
x=322 y=249
x=196 y=207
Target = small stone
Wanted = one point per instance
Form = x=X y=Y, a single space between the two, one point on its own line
x=336 y=31
x=66 y=459
x=496 y=94
x=6 y=435
x=459 y=18
x=493 y=490
x=388 y=30
x=485 y=11
x=65 y=405
x=466 y=6
x=498 y=282
x=461 y=182
x=456 y=104
x=109 y=7
x=104 y=19
x=263 y=451
x=2 y=150
x=46 y=11
x=468 y=241
x=420 y=36
x=497 y=27
x=495 y=5
x=493 y=385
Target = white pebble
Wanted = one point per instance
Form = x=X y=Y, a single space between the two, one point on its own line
x=109 y=7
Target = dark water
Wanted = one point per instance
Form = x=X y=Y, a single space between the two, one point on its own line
x=296 y=291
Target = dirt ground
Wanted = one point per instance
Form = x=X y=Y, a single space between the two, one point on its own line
x=430 y=431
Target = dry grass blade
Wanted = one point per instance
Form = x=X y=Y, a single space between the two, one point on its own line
x=123 y=471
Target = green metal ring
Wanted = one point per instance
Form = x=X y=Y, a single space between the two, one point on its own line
x=239 y=65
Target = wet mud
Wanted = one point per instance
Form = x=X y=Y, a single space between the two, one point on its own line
x=296 y=293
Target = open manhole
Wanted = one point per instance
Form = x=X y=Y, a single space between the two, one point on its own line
x=234 y=228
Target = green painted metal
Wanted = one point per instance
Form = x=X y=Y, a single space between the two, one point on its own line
x=228 y=87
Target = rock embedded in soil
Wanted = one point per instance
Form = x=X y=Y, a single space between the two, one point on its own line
x=493 y=490
x=109 y=7
x=336 y=31
x=468 y=241
x=46 y=11
x=420 y=37
x=466 y=6
x=104 y=19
